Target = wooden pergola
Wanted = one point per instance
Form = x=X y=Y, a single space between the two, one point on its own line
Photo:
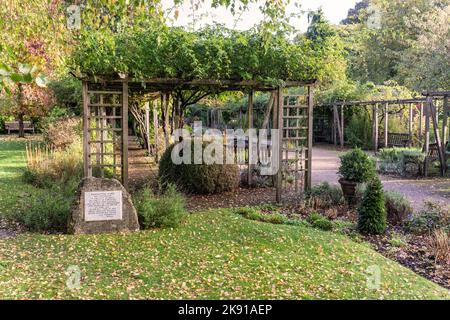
x=427 y=106
x=105 y=121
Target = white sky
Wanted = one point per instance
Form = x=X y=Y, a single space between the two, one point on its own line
x=335 y=11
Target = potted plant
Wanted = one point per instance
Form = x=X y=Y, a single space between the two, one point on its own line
x=356 y=167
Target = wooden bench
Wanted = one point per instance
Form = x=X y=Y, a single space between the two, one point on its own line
x=395 y=140
x=14 y=126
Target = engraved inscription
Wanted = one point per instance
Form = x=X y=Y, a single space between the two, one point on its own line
x=103 y=205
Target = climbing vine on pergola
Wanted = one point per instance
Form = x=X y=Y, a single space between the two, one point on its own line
x=188 y=66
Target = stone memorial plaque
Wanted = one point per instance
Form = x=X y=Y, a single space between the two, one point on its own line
x=103 y=205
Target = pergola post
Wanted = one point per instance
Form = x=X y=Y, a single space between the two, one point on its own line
x=437 y=137
x=342 y=126
x=339 y=126
x=426 y=147
x=155 y=128
x=250 y=137
x=147 y=125
x=125 y=134
x=386 y=125
x=308 y=162
x=410 y=125
x=334 y=130
x=86 y=134
x=420 y=121
x=279 y=107
x=445 y=137
x=275 y=126
x=375 y=127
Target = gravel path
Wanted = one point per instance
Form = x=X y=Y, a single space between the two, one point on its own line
x=326 y=163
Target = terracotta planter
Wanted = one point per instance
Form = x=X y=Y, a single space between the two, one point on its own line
x=349 y=190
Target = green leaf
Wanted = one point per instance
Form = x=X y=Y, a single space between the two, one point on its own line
x=16 y=77
x=27 y=78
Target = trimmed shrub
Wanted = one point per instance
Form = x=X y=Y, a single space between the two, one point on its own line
x=324 y=195
x=167 y=210
x=320 y=222
x=398 y=208
x=357 y=166
x=433 y=217
x=372 y=212
x=198 y=178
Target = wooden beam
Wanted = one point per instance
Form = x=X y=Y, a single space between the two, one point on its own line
x=386 y=125
x=308 y=160
x=86 y=137
x=250 y=138
x=125 y=134
x=373 y=102
x=152 y=84
x=436 y=93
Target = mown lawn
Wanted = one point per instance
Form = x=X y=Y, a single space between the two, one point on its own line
x=12 y=188
x=215 y=254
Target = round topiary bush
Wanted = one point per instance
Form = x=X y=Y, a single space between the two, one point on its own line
x=198 y=178
x=357 y=166
x=372 y=212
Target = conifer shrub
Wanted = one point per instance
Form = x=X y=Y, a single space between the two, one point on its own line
x=372 y=211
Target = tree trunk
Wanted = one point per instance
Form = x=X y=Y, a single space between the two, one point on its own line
x=21 y=108
x=267 y=111
x=165 y=117
x=21 y=127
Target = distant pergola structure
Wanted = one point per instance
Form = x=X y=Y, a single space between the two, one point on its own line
x=105 y=122
x=427 y=107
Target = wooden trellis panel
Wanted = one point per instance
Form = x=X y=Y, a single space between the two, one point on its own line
x=105 y=133
x=296 y=124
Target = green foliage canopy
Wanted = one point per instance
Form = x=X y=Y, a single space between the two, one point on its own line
x=211 y=53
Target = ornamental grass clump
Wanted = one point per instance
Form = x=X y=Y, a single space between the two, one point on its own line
x=372 y=211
